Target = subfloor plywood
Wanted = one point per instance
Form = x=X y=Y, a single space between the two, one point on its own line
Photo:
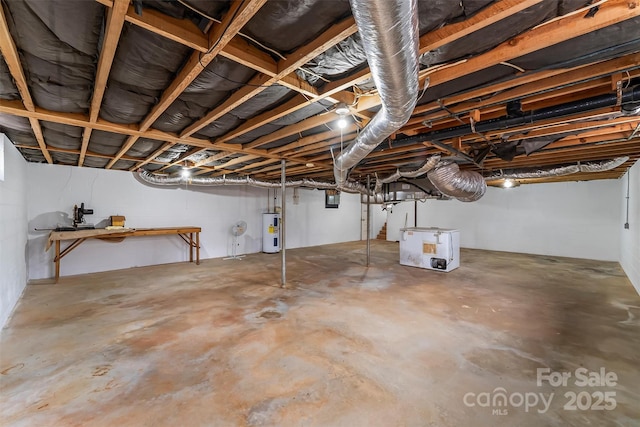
x=221 y=344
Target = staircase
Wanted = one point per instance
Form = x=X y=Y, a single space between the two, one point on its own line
x=382 y=235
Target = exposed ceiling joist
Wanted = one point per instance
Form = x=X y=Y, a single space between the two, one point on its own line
x=12 y=58
x=496 y=12
x=240 y=12
x=259 y=83
x=538 y=38
x=115 y=21
x=215 y=157
x=545 y=84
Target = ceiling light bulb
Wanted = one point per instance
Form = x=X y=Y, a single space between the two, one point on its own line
x=310 y=165
x=342 y=123
x=186 y=173
x=342 y=109
x=507 y=183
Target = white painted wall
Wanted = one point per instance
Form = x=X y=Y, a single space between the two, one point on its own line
x=309 y=223
x=378 y=218
x=53 y=191
x=572 y=219
x=630 y=239
x=400 y=216
x=13 y=229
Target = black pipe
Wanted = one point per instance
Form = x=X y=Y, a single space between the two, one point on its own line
x=581 y=106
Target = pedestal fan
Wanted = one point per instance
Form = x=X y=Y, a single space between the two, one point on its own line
x=237 y=230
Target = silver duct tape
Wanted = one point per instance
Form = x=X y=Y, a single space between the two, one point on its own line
x=466 y=186
x=604 y=165
x=389 y=32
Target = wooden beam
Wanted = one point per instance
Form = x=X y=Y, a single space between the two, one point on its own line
x=115 y=21
x=235 y=161
x=12 y=58
x=540 y=37
x=122 y=151
x=307 y=141
x=573 y=74
x=252 y=166
x=610 y=13
x=185 y=32
x=181 y=31
x=301 y=126
x=253 y=123
x=240 y=12
x=579 y=127
x=81 y=120
x=486 y=17
x=152 y=156
x=526 y=86
x=259 y=83
x=240 y=51
x=182 y=158
x=77 y=152
x=215 y=157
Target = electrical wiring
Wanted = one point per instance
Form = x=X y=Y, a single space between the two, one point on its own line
x=251 y=39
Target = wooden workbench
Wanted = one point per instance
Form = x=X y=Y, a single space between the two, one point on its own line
x=79 y=236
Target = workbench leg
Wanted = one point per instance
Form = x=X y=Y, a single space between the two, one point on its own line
x=190 y=247
x=57 y=260
x=198 y=248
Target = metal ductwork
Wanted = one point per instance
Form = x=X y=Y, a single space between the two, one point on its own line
x=426 y=167
x=148 y=177
x=466 y=186
x=602 y=166
x=389 y=33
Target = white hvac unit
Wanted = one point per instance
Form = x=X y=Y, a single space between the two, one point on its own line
x=271 y=233
x=430 y=248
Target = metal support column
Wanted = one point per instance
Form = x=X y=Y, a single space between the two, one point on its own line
x=283 y=222
x=368 y=219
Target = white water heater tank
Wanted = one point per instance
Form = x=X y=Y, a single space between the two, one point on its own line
x=271 y=233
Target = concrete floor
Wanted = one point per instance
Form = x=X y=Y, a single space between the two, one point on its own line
x=221 y=344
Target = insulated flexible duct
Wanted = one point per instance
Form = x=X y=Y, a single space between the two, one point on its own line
x=602 y=166
x=389 y=32
x=349 y=187
x=426 y=167
x=466 y=186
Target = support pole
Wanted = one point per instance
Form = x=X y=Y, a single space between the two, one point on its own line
x=283 y=222
x=368 y=219
x=415 y=213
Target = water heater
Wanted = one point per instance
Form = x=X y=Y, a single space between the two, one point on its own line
x=271 y=233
